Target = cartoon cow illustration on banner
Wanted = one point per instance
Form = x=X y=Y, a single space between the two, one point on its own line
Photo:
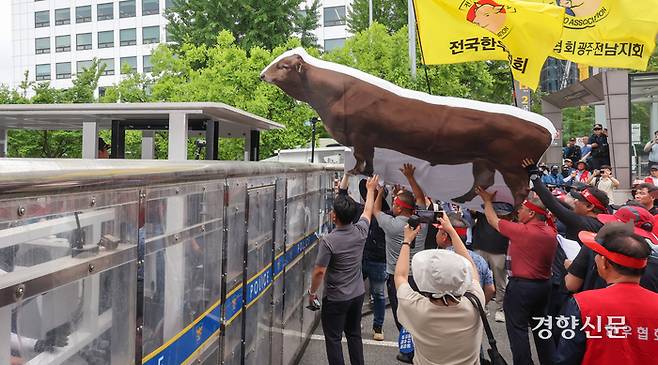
x=455 y=143
x=487 y=14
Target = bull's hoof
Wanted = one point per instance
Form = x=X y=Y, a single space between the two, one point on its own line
x=464 y=198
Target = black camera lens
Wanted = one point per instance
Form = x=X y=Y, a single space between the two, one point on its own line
x=413 y=221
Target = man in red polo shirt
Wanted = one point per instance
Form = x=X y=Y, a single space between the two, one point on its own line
x=530 y=254
x=617 y=324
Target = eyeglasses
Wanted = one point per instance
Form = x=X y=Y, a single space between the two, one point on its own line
x=597 y=129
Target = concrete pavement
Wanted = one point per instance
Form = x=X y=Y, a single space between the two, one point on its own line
x=384 y=352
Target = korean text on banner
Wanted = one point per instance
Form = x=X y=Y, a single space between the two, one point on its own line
x=608 y=33
x=523 y=33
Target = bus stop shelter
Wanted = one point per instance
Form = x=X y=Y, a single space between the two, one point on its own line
x=217 y=120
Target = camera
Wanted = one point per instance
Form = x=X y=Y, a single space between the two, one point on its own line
x=315 y=305
x=424 y=216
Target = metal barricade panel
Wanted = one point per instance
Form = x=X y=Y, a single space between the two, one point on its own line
x=258 y=315
x=67 y=278
x=234 y=273
x=278 y=268
x=172 y=272
x=184 y=230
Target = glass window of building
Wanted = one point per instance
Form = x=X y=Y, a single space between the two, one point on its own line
x=147 y=63
x=334 y=15
x=83 y=14
x=63 y=43
x=43 y=72
x=106 y=39
x=42 y=45
x=128 y=37
x=150 y=7
x=127 y=9
x=130 y=61
x=330 y=44
x=105 y=11
x=83 y=41
x=42 y=19
x=109 y=66
x=169 y=4
x=168 y=36
x=151 y=35
x=82 y=65
x=62 y=16
x=63 y=70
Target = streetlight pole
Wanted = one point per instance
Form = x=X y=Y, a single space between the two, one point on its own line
x=314 y=120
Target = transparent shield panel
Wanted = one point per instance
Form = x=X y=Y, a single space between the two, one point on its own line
x=292 y=325
x=88 y=321
x=259 y=273
x=182 y=270
x=277 y=285
x=235 y=246
x=72 y=262
x=310 y=317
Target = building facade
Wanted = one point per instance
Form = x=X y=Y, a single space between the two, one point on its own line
x=55 y=39
x=332 y=30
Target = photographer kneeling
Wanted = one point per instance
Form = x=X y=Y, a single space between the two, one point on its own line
x=445 y=327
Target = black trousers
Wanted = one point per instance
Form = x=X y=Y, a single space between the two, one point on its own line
x=339 y=317
x=525 y=299
x=393 y=296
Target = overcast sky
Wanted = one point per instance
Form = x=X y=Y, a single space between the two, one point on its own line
x=5 y=41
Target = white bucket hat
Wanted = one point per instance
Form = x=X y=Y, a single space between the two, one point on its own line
x=441 y=273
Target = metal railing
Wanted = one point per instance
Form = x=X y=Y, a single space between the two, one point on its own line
x=155 y=262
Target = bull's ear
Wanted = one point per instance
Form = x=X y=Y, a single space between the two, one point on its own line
x=299 y=64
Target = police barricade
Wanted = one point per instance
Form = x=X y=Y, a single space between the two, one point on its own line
x=154 y=262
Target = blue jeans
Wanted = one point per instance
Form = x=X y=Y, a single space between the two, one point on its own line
x=376 y=273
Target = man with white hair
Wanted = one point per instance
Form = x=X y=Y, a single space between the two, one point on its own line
x=445 y=328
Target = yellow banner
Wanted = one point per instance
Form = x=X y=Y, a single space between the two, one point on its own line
x=607 y=33
x=454 y=31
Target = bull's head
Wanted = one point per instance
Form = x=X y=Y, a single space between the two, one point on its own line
x=287 y=73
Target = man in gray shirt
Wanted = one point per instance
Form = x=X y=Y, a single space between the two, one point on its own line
x=404 y=206
x=339 y=263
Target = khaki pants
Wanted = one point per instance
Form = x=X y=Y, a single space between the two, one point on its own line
x=496 y=263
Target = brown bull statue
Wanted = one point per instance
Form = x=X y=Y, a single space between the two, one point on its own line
x=364 y=112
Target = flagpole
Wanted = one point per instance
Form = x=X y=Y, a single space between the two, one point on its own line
x=369 y=13
x=411 y=28
x=422 y=54
x=516 y=103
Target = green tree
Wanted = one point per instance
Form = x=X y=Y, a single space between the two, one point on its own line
x=46 y=143
x=306 y=21
x=252 y=22
x=385 y=55
x=391 y=13
x=577 y=122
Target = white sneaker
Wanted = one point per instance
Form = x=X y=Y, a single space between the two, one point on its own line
x=499 y=316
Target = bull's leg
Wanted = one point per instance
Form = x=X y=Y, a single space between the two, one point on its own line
x=363 y=156
x=518 y=183
x=483 y=175
x=368 y=155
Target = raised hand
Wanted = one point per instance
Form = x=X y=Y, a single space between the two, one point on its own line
x=485 y=195
x=408 y=170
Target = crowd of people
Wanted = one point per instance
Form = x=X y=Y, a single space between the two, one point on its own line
x=597 y=307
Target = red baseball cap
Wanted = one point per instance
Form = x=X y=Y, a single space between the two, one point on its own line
x=590 y=240
x=643 y=221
